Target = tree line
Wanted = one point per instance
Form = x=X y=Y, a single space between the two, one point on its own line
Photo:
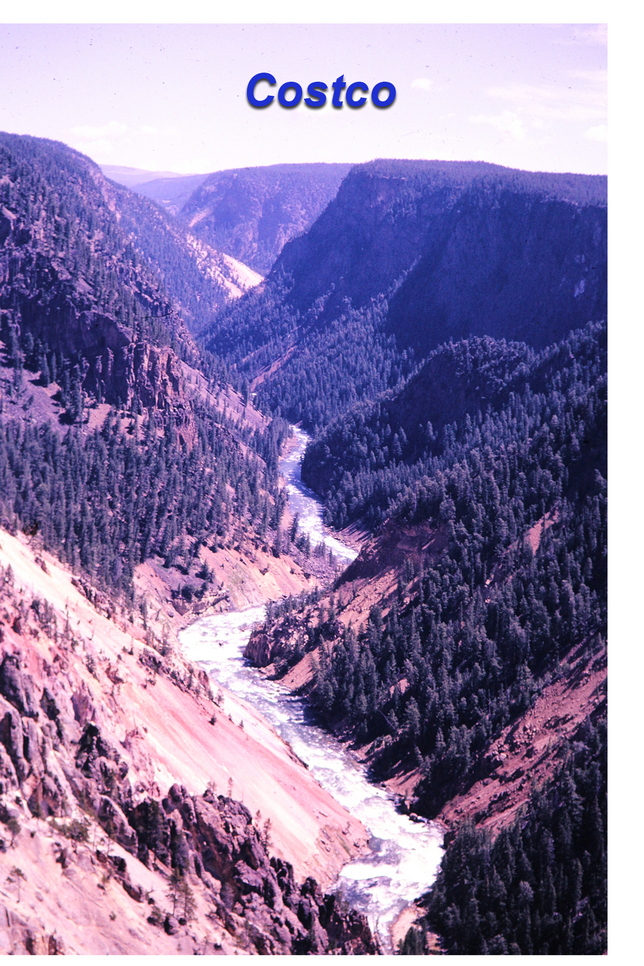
x=516 y=496
x=108 y=500
x=538 y=888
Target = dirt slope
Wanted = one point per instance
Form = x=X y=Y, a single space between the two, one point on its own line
x=528 y=752
x=525 y=754
x=74 y=667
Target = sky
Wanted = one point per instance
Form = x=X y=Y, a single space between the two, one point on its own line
x=172 y=97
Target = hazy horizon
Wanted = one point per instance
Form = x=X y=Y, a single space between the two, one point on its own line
x=172 y=98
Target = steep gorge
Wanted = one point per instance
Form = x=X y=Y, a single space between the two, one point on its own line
x=115 y=758
x=463 y=652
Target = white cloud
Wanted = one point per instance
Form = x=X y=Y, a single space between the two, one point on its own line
x=592 y=34
x=102 y=149
x=104 y=142
x=507 y=123
x=422 y=83
x=113 y=129
x=585 y=101
x=165 y=132
x=597 y=133
x=520 y=92
x=597 y=77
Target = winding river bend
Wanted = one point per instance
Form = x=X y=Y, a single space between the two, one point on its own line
x=405 y=854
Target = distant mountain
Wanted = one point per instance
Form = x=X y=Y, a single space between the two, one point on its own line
x=134 y=177
x=248 y=213
x=168 y=188
x=100 y=276
x=410 y=254
x=251 y=213
x=172 y=191
x=459 y=249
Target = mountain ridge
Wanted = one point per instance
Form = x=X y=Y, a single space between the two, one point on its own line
x=92 y=271
x=252 y=212
x=439 y=326
x=405 y=257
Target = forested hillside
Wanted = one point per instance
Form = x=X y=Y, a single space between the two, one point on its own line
x=440 y=328
x=478 y=624
x=109 y=500
x=475 y=643
x=540 y=887
x=251 y=213
x=363 y=461
x=97 y=288
x=495 y=525
x=407 y=256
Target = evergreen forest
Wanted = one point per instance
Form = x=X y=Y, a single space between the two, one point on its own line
x=440 y=331
x=540 y=887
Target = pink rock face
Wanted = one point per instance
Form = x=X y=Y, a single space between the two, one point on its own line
x=104 y=758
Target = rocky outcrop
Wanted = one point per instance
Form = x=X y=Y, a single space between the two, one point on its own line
x=212 y=838
x=215 y=838
x=81 y=801
x=115 y=365
x=260 y=648
x=16 y=686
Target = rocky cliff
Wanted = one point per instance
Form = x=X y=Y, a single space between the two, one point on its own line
x=96 y=277
x=458 y=249
x=251 y=213
x=119 y=827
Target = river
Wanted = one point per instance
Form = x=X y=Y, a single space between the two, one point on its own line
x=405 y=854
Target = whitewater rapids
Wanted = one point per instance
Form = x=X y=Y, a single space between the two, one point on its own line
x=405 y=853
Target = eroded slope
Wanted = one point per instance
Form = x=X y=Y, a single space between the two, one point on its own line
x=120 y=769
